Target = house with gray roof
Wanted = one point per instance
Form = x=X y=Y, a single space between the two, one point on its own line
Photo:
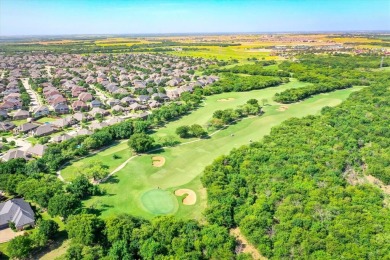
x=41 y=111
x=37 y=150
x=17 y=211
x=25 y=128
x=21 y=114
x=6 y=126
x=14 y=154
x=42 y=130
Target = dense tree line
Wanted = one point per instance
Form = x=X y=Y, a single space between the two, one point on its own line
x=127 y=237
x=297 y=94
x=230 y=82
x=256 y=69
x=297 y=193
x=327 y=74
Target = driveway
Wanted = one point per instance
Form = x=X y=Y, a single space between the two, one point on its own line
x=8 y=234
x=22 y=144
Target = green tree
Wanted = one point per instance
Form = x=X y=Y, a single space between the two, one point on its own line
x=20 y=247
x=84 y=229
x=63 y=205
x=140 y=142
x=198 y=131
x=253 y=102
x=48 y=227
x=81 y=187
x=183 y=131
x=95 y=170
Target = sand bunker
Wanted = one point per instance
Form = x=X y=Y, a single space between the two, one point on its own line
x=226 y=99
x=282 y=108
x=190 y=199
x=158 y=161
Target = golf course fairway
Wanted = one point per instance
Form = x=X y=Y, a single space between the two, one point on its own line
x=143 y=190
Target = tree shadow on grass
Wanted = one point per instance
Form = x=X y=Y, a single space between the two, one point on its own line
x=159 y=151
x=99 y=209
x=112 y=179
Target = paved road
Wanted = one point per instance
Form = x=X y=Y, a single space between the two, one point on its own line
x=35 y=100
x=99 y=93
x=48 y=70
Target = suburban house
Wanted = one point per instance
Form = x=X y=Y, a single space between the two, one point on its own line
x=6 y=126
x=96 y=103
x=83 y=132
x=21 y=114
x=96 y=125
x=3 y=114
x=41 y=111
x=97 y=110
x=63 y=122
x=61 y=138
x=14 y=154
x=79 y=105
x=25 y=128
x=61 y=109
x=81 y=117
x=85 y=96
x=112 y=102
x=37 y=150
x=18 y=212
x=42 y=130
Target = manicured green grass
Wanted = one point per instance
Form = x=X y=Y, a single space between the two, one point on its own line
x=200 y=116
x=216 y=102
x=106 y=156
x=3 y=249
x=46 y=119
x=159 y=202
x=19 y=122
x=185 y=163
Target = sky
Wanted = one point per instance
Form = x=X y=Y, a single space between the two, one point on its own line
x=58 y=17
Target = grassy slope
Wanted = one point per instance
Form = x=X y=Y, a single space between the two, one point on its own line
x=184 y=164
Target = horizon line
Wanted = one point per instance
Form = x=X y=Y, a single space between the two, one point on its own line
x=195 y=33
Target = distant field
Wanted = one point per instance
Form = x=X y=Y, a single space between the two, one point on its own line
x=185 y=163
x=224 y=53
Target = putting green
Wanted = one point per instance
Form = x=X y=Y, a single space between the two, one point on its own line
x=159 y=202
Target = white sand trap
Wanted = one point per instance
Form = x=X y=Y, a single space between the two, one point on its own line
x=158 y=161
x=226 y=99
x=190 y=199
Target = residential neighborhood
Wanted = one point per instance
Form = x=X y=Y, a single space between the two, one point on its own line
x=60 y=96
